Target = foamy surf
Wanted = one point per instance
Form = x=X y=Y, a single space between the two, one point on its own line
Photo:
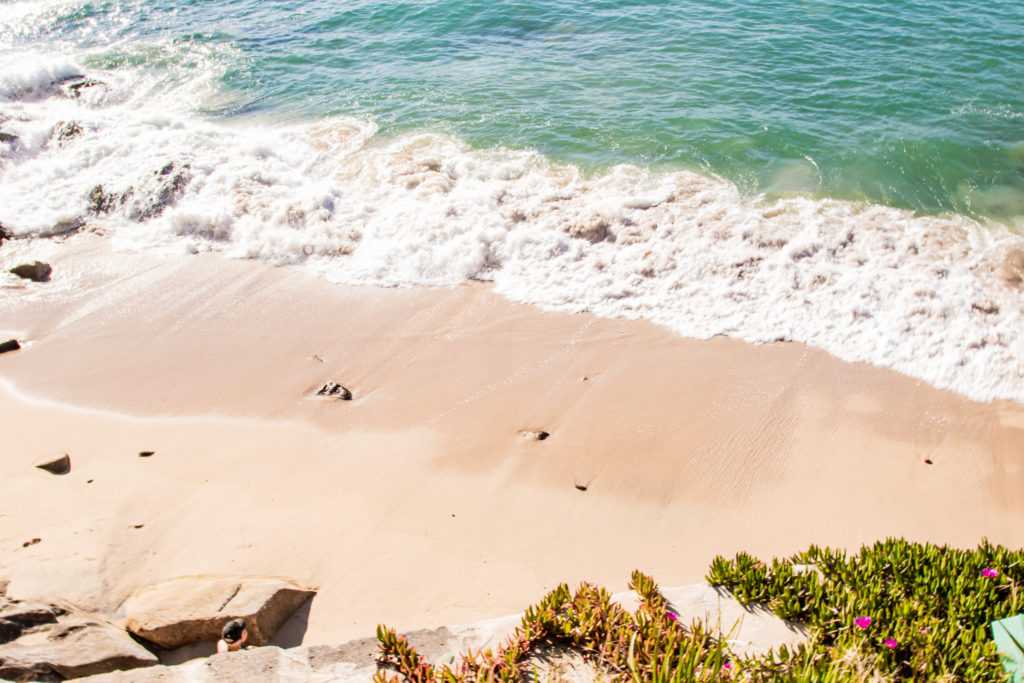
x=935 y=298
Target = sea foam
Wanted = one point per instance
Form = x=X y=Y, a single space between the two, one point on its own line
x=937 y=298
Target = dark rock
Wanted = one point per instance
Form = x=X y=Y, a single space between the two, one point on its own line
x=146 y=454
x=5 y=234
x=7 y=137
x=31 y=542
x=58 y=465
x=9 y=345
x=66 y=130
x=538 y=434
x=37 y=272
x=75 y=86
x=580 y=487
x=100 y=201
x=9 y=631
x=334 y=390
x=170 y=183
x=986 y=306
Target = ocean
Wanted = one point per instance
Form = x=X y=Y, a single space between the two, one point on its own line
x=847 y=175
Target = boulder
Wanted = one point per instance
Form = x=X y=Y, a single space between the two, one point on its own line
x=45 y=641
x=76 y=647
x=37 y=272
x=334 y=390
x=9 y=345
x=192 y=609
x=58 y=465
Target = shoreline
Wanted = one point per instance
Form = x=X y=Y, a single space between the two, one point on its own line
x=419 y=502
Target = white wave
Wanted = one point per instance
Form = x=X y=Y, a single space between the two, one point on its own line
x=935 y=298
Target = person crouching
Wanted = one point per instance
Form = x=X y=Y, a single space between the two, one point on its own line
x=233 y=636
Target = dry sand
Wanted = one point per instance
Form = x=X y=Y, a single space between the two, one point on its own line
x=419 y=503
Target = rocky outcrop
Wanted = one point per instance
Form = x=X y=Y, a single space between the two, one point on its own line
x=37 y=271
x=192 y=609
x=750 y=632
x=60 y=464
x=53 y=642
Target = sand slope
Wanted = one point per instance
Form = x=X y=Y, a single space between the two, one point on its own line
x=419 y=503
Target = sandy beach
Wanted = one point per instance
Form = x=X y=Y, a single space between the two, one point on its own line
x=425 y=500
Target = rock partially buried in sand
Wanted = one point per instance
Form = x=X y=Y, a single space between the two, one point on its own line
x=334 y=390
x=37 y=272
x=193 y=609
x=59 y=465
x=537 y=434
x=9 y=345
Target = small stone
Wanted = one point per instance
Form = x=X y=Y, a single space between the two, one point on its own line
x=59 y=465
x=37 y=272
x=986 y=306
x=146 y=454
x=32 y=542
x=8 y=138
x=9 y=345
x=926 y=460
x=580 y=487
x=334 y=390
x=138 y=526
x=538 y=434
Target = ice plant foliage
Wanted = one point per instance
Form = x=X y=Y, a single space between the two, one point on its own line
x=933 y=603
x=912 y=593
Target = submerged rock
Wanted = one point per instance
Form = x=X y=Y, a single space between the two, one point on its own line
x=37 y=272
x=65 y=130
x=193 y=609
x=334 y=390
x=166 y=186
x=75 y=86
x=101 y=201
x=59 y=465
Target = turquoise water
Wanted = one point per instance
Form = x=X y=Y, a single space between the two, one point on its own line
x=917 y=105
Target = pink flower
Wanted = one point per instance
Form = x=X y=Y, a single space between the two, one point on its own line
x=990 y=573
x=672 y=616
x=890 y=643
x=727 y=666
x=862 y=622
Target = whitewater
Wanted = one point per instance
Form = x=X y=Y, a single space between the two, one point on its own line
x=149 y=139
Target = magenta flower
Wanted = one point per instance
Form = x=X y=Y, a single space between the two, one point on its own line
x=727 y=665
x=862 y=622
x=890 y=643
x=672 y=616
x=990 y=573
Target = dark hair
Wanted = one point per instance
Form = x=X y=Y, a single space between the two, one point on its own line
x=233 y=630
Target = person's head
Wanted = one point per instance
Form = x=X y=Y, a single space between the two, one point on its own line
x=234 y=633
